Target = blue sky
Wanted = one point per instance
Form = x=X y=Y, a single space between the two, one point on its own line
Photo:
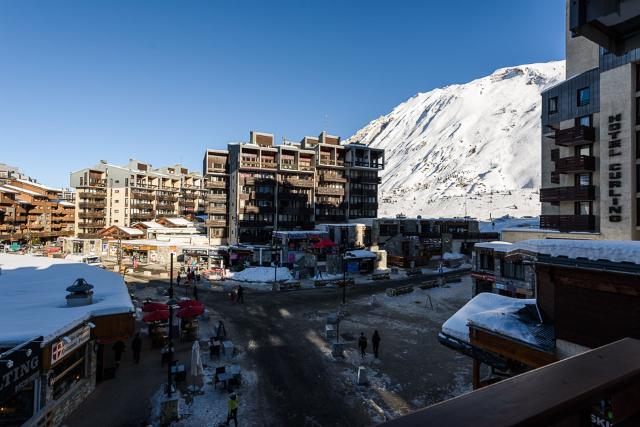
x=162 y=81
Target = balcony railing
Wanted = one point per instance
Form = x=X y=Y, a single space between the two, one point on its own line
x=577 y=135
x=576 y=164
x=568 y=222
x=330 y=191
x=331 y=177
x=92 y=194
x=366 y=179
x=141 y=205
x=215 y=223
x=298 y=182
x=167 y=198
x=216 y=184
x=142 y=196
x=214 y=197
x=562 y=194
x=94 y=205
x=216 y=210
x=142 y=216
x=91 y=214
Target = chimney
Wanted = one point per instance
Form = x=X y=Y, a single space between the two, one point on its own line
x=80 y=293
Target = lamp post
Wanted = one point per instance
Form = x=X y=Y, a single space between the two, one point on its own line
x=171 y=276
x=344 y=267
x=171 y=303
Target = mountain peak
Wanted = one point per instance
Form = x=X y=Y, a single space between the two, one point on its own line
x=467 y=148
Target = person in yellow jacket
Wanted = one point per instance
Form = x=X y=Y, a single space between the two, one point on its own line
x=232 y=407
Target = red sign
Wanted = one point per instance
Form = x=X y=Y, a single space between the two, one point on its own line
x=481 y=276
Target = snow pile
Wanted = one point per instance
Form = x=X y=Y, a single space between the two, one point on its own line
x=33 y=294
x=260 y=274
x=473 y=146
x=494 y=308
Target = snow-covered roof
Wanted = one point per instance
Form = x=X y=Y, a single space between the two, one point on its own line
x=360 y=253
x=513 y=318
x=179 y=222
x=150 y=242
x=151 y=224
x=595 y=250
x=64 y=203
x=23 y=190
x=34 y=290
x=4 y=189
x=130 y=231
x=37 y=184
x=496 y=246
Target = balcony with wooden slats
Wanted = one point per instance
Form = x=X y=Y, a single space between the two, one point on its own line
x=576 y=164
x=565 y=194
x=577 y=135
x=568 y=223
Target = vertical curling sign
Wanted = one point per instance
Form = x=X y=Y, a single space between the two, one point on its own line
x=615 y=168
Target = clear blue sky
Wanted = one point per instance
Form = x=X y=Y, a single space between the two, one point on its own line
x=162 y=81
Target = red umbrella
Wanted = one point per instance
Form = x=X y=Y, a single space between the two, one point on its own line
x=189 y=303
x=324 y=243
x=191 y=311
x=154 y=306
x=156 y=316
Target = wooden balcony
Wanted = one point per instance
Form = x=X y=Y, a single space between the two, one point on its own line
x=92 y=223
x=188 y=203
x=298 y=182
x=216 y=210
x=88 y=236
x=332 y=177
x=142 y=196
x=330 y=191
x=92 y=194
x=215 y=223
x=576 y=164
x=189 y=196
x=563 y=194
x=216 y=184
x=167 y=198
x=366 y=179
x=91 y=215
x=141 y=205
x=92 y=205
x=577 y=135
x=216 y=197
x=142 y=216
x=568 y=222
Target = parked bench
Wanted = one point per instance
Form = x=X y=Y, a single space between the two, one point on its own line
x=292 y=284
x=414 y=271
x=384 y=275
x=429 y=284
x=394 y=292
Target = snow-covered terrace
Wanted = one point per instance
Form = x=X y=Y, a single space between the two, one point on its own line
x=33 y=296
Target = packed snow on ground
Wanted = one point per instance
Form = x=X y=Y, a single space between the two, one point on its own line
x=488 y=303
x=260 y=274
x=470 y=148
x=33 y=295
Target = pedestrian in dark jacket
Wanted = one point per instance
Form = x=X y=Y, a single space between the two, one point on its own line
x=362 y=343
x=240 y=294
x=375 y=340
x=221 y=331
x=195 y=292
x=118 y=349
x=178 y=278
x=136 y=347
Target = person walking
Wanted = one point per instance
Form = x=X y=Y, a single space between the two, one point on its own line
x=375 y=340
x=195 y=292
x=240 y=294
x=221 y=331
x=136 y=347
x=118 y=349
x=362 y=343
x=178 y=279
x=232 y=407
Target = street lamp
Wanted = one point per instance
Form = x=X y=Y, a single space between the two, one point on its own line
x=171 y=303
x=171 y=276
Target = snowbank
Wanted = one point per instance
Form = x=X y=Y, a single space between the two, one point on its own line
x=260 y=274
x=34 y=290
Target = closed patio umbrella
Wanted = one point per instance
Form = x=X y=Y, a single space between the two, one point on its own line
x=196 y=371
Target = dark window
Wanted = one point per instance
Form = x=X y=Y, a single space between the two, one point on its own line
x=583 y=96
x=638 y=143
x=637 y=77
x=553 y=105
x=637 y=111
x=638 y=210
x=512 y=270
x=555 y=154
x=582 y=208
x=487 y=262
x=583 y=179
x=637 y=178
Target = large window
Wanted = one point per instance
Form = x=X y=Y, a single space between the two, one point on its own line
x=584 y=150
x=553 y=105
x=582 y=208
x=584 y=121
x=68 y=372
x=583 y=179
x=584 y=95
x=486 y=262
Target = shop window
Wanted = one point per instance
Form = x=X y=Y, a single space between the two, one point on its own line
x=553 y=105
x=18 y=408
x=584 y=96
x=68 y=373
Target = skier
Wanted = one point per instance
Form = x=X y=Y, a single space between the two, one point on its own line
x=136 y=346
x=362 y=344
x=375 y=340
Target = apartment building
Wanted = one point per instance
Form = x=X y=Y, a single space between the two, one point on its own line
x=124 y=195
x=590 y=151
x=30 y=211
x=289 y=186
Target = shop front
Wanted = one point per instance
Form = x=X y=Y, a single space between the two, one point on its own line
x=203 y=258
x=20 y=369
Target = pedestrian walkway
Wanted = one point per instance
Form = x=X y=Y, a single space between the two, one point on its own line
x=125 y=400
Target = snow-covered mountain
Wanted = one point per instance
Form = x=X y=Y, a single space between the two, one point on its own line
x=471 y=148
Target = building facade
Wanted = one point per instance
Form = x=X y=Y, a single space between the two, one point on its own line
x=257 y=187
x=124 y=195
x=32 y=212
x=590 y=152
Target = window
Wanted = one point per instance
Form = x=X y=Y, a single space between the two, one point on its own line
x=583 y=179
x=583 y=208
x=512 y=270
x=555 y=154
x=638 y=143
x=487 y=262
x=583 y=96
x=584 y=150
x=637 y=111
x=553 y=105
x=584 y=121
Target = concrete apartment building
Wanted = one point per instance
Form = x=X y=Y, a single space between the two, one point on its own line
x=123 y=195
x=30 y=211
x=590 y=151
x=290 y=186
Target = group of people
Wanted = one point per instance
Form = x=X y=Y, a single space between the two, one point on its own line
x=363 y=342
x=192 y=276
x=119 y=348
